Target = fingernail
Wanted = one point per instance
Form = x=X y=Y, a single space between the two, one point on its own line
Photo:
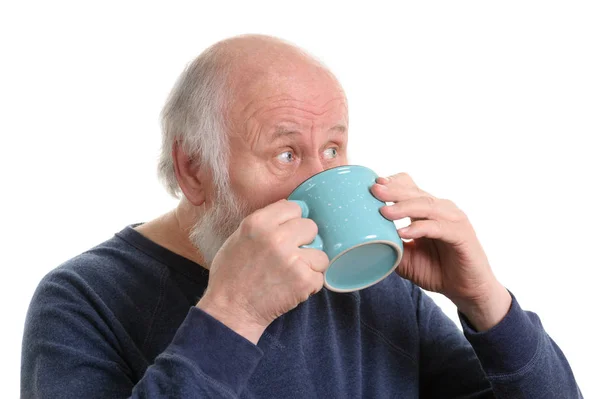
x=404 y=229
x=385 y=180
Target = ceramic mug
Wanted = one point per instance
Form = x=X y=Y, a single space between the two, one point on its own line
x=362 y=245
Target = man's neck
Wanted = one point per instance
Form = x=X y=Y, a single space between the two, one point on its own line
x=171 y=231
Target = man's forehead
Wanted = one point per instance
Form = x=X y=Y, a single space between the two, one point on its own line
x=282 y=84
x=288 y=87
x=292 y=111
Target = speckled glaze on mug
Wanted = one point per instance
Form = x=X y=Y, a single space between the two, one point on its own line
x=362 y=245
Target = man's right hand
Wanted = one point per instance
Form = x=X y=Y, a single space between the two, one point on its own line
x=261 y=272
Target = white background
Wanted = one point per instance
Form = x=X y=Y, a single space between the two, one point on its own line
x=494 y=106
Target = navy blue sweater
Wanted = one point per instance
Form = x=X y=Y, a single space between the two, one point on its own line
x=119 y=321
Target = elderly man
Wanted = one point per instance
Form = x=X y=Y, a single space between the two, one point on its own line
x=218 y=298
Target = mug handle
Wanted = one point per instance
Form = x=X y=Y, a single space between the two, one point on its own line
x=317 y=242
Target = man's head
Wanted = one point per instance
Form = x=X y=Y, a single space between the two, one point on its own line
x=248 y=120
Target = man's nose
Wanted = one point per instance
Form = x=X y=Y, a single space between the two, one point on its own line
x=315 y=166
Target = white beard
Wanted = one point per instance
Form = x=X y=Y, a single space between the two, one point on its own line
x=219 y=221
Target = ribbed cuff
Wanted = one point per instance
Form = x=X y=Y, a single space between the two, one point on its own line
x=219 y=352
x=509 y=345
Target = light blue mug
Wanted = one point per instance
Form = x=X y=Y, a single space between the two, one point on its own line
x=363 y=247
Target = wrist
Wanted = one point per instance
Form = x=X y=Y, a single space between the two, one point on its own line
x=486 y=311
x=235 y=320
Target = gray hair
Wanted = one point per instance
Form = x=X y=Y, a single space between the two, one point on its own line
x=194 y=116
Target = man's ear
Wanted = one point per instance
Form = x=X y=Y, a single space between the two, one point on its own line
x=190 y=176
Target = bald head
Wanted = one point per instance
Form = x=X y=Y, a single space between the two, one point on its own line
x=259 y=63
x=260 y=55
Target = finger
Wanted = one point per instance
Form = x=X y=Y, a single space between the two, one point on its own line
x=278 y=213
x=399 y=180
x=403 y=179
x=316 y=281
x=388 y=193
x=422 y=208
x=299 y=231
x=317 y=259
x=434 y=229
x=392 y=192
x=309 y=282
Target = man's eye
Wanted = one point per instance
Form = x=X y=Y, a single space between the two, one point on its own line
x=331 y=152
x=286 y=157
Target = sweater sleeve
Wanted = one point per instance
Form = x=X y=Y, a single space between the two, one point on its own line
x=515 y=359
x=68 y=352
x=520 y=359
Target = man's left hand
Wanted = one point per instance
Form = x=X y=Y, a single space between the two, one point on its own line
x=444 y=255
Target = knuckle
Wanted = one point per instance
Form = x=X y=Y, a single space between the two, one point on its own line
x=455 y=213
x=405 y=178
x=323 y=259
x=450 y=204
x=294 y=206
x=294 y=259
x=276 y=244
x=458 y=216
x=437 y=226
x=390 y=210
x=300 y=261
x=431 y=202
x=413 y=192
x=317 y=263
x=252 y=224
x=311 y=226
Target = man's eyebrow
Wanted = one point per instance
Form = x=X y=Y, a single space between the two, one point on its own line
x=284 y=130
x=339 y=128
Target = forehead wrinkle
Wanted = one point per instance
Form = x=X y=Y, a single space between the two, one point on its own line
x=283 y=128
x=313 y=112
x=251 y=136
x=278 y=98
x=266 y=98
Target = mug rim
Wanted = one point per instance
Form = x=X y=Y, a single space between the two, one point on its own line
x=399 y=252
x=325 y=171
